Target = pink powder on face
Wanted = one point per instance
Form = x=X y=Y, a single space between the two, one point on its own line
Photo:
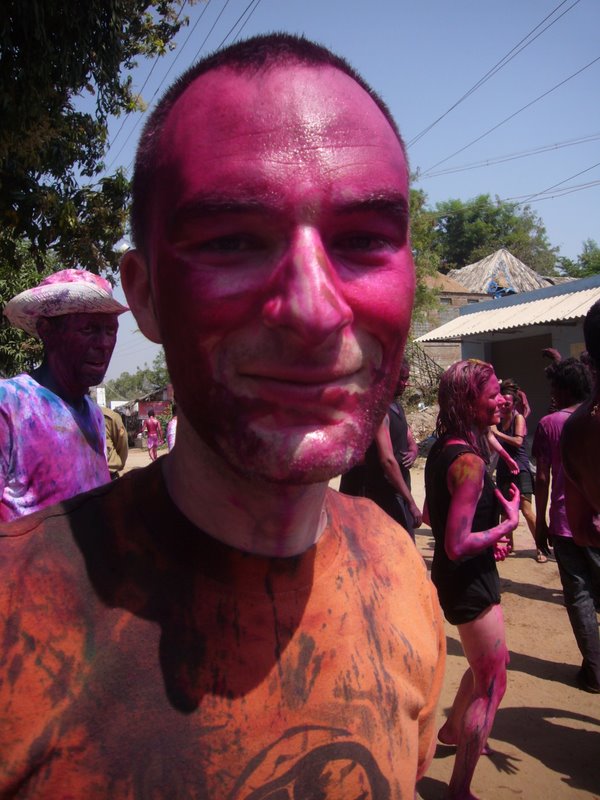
x=282 y=264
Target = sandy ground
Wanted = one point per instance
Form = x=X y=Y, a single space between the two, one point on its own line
x=546 y=738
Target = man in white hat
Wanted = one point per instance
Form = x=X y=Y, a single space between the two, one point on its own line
x=51 y=433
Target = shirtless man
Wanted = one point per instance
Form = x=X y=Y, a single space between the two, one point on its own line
x=153 y=430
x=51 y=433
x=580 y=445
x=221 y=624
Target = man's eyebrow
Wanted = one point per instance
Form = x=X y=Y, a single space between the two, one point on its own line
x=224 y=203
x=391 y=204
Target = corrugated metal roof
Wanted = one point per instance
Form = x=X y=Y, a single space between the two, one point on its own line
x=548 y=310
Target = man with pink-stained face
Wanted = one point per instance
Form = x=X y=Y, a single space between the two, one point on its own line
x=277 y=637
x=52 y=441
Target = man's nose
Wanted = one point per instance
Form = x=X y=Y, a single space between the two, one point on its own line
x=105 y=339
x=306 y=296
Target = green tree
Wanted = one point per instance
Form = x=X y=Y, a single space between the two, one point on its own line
x=20 y=352
x=587 y=262
x=143 y=381
x=468 y=231
x=423 y=245
x=63 y=73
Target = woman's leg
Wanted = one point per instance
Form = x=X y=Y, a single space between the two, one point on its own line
x=477 y=699
x=529 y=514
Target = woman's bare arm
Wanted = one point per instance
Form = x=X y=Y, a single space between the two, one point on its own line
x=465 y=484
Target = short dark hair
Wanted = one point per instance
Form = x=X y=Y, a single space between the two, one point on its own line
x=248 y=56
x=591 y=333
x=570 y=375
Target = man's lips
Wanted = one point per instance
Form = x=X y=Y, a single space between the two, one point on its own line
x=318 y=388
x=96 y=365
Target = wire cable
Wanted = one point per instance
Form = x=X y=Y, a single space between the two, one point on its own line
x=488 y=162
x=426 y=172
x=496 y=68
x=235 y=24
x=128 y=114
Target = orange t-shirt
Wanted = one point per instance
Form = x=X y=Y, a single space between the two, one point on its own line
x=143 y=659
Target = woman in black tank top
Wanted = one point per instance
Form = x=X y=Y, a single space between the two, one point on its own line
x=462 y=507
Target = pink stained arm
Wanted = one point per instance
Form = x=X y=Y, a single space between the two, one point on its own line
x=497 y=448
x=520 y=429
x=465 y=484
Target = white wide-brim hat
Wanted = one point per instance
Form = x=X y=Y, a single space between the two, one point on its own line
x=70 y=291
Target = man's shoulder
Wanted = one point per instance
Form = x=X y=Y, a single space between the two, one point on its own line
x=12 y=387
x=552 y=422
x=98 y=506
x=371 y=534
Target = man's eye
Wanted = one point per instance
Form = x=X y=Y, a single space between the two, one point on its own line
x=362 y=242
x=230 y=244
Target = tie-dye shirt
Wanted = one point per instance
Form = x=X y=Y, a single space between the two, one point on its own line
x=144 y=659
x=48 y=450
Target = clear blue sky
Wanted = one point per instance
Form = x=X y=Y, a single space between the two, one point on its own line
x=422 y=57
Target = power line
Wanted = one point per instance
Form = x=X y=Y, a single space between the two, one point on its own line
x=139 y=119
x=488 y=162
x=128 y=168
x=110 y=166
x=570 y=178
x=247 y=20
x=211 y=30
x=163 y=79
x=511 y=116
x=497 y=67
x=562 y=192
x=235 y=24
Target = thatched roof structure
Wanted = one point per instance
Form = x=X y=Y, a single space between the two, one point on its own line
x=443 y=283
x=499 y=274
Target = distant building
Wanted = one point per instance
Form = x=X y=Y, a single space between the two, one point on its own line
x=501 y=274
x=452 y=296
x=511 y=332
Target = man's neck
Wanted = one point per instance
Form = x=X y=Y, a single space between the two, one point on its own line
x=251 y=515
x=46 y=377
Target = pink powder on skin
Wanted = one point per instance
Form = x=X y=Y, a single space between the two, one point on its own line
x=284 y=299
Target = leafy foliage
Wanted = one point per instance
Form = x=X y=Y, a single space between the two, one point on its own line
x=468 y=231
x=423 y=244
x=587 y=263
x=145 y=380
x=19 y=352
x=56 y=61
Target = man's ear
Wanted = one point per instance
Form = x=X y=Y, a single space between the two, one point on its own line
x=135 y=278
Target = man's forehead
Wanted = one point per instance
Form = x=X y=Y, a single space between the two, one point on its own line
x=312 y=100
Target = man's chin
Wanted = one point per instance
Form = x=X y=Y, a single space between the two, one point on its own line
x=296 y=459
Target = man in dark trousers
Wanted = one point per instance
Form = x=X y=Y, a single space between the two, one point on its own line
x=384 y=476
x=579 y=567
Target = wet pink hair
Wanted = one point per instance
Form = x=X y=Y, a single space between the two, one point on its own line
x=460 y=388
